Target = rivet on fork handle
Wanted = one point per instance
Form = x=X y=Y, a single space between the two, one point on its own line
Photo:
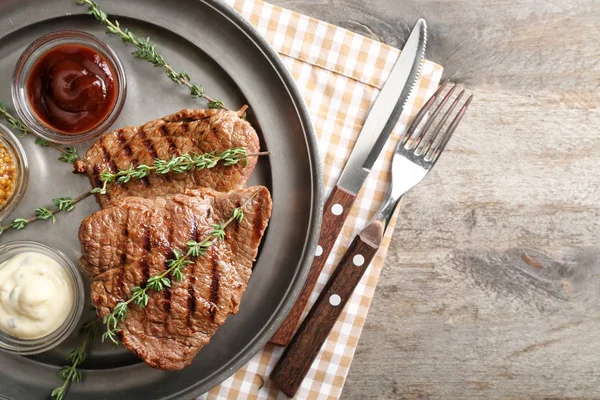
x=410 y=165
x=306 y=344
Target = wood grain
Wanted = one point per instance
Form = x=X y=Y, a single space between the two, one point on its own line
x=335 y=211
x=491 y=285
x=298 y=356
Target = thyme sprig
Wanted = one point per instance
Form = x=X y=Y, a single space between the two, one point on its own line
x=69 y=154
x=13 y=122
x=139 y=295
x=146 y=50
x=43 y=214
x=69 y=373
x=176 y=164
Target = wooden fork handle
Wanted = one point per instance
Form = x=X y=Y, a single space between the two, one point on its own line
x=335 y=212
x=304 y=347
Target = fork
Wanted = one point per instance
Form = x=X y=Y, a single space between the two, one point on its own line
x=416 y=153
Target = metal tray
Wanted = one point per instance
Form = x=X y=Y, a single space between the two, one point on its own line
x=218 y=49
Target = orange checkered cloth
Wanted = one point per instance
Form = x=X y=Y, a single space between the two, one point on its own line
x=340 y=74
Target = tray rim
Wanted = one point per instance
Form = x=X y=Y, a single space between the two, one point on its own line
x=317 y=195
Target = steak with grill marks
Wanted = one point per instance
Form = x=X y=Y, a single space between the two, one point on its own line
x=186 y=132
x=123 y=245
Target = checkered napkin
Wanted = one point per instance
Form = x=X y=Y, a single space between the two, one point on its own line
x=340 y=74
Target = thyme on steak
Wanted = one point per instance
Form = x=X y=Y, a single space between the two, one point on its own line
x=43 y=214
x=139 y=295
x=69 y=154
x=146 y=50
x=176 y=164
x=69 y=373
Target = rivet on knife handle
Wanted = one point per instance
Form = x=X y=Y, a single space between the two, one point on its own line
x=297 y=358
x=335 y=212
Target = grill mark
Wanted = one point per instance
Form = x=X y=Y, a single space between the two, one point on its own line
x=123 y=243
x=185 y=127
x=214 y=286
x=107 y=159
x=145 y=269
x=168 y=252
x=120 y=282
x=125 y=148
x=148 y=144
x=194 y=229
x=120 y=138
x=191 y=303
x=147 y=246
x=145 y=181
x=167 y=300
x=103 y=199
x=96 y=170
x=152 y=150
x=257 y=215
x=123 y=250
x=163 y=130
x=172 y=148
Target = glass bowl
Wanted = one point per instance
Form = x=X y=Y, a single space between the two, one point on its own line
x=34 y=346
x=12 y=144
x=28 y=60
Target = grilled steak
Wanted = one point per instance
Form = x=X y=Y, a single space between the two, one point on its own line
x=123 y=245
x=186 y=132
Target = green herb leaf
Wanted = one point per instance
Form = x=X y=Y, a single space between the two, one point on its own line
x=146 y=50
x=64 y=203
x=140 y=296
x=216 y=104
x=58 y=393
x=19 y=223
x=43 y=213
x=13 y=122
x=238 y=214
x=70 y=155
x=120 y=311
x=218 y=231
x=69 y=373
x=42 y=142
x=175 y=164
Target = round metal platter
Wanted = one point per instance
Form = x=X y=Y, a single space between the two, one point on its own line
x=218 y=49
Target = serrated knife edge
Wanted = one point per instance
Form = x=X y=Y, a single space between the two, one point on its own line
x=382 y=117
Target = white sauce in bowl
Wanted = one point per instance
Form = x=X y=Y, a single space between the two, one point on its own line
x=36 y=295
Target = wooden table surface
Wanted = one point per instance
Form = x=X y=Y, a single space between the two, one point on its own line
x=491 y=289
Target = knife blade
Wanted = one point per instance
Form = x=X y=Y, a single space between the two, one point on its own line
x=386 y=110
x=380 y=122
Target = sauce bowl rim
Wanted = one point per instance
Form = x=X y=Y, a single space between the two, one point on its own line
x=28 y=59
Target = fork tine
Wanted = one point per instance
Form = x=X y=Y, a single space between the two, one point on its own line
x=422 y=112
x=436 y=153
x=414 y=143
x=440 y=125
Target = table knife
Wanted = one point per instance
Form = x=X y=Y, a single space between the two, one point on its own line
x=411 y=163
x=380 y=122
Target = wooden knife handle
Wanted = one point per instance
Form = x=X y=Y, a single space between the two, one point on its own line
x=335 y=212
x=306 y=344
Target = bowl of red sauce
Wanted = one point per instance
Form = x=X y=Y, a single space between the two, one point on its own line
x=69 y=86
